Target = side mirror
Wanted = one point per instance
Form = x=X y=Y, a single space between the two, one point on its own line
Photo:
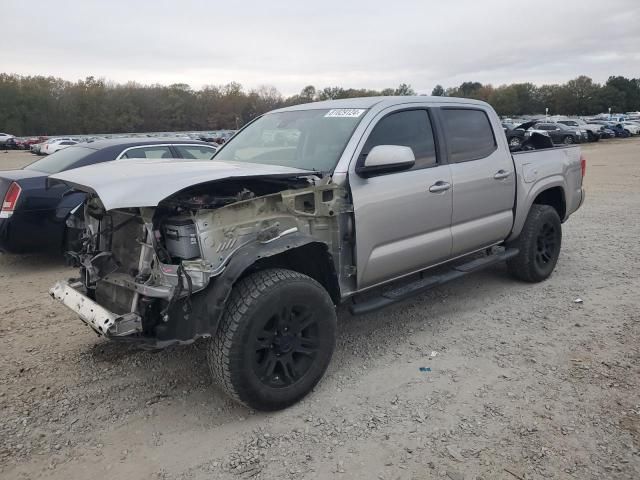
x=386 y=159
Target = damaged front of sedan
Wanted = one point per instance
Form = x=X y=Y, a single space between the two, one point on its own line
x=166 y=242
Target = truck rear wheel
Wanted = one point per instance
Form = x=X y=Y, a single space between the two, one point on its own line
x=275 y=339
x=539 y=244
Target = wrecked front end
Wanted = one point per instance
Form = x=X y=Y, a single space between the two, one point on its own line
x=162 y=275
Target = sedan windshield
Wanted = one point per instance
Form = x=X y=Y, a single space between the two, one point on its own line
x=60 y=161
x=305 y=139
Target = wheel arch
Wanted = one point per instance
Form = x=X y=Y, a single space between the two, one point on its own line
x=312 y=259
x=549 y=191
x=296 y=252
x=554 y=197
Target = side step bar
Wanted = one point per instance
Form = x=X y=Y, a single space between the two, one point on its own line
x=425 y=283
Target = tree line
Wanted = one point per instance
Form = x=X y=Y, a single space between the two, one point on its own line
x=39 y=105
x=580 y=96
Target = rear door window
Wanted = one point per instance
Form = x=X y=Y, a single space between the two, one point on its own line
x=148 y=152
x=408 y=128
x=468 y=133
x=200 y=152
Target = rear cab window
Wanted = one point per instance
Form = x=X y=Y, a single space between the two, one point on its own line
x=468 y=134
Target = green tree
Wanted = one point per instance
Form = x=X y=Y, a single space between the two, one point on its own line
x=437 y=91
x=404 y=89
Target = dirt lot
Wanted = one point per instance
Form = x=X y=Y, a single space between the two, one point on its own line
x=525 y=381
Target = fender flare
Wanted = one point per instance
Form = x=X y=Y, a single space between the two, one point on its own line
x=522 y=211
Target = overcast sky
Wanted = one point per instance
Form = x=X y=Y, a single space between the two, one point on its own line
x=290 y=44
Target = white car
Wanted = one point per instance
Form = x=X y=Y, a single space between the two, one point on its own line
x=4 y=137
x=632 y=127
x=53 y=146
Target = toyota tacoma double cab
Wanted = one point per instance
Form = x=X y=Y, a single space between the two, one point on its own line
x=305 y=208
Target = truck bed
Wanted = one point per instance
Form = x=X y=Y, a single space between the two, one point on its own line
x=539 y=170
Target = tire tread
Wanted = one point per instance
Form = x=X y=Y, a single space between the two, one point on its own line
x=221 y=353
x=521 y=266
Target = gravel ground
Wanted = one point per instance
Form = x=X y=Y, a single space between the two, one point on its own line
x=525 y=381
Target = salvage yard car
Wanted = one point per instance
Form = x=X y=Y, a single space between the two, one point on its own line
x=561 y=134
x=4 y=138
x=36 y=216
x=256 y=247
x=593 y=131
x=53 y=146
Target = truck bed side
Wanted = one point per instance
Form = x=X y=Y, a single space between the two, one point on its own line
x=558 y=169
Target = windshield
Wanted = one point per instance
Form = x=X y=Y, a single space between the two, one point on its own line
x=60 y=161
x=305 y=139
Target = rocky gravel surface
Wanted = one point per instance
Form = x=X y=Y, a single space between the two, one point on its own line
x=485 y=378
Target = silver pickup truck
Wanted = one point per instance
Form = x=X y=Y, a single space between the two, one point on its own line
x=305 y=208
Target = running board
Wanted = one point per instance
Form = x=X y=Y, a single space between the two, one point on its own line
x=428 y=282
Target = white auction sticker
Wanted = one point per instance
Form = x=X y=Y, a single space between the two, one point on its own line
x=345 y=112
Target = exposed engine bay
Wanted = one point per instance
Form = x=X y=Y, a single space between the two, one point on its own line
x=162 y=274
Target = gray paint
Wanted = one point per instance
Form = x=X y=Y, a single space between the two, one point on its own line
x=146 y=182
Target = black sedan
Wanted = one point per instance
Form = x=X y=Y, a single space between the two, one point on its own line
x=561 y=134
x=34 y=213
x=515 y=136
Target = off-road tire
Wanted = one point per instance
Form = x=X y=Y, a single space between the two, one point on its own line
x=541 y=228
x=231 y=353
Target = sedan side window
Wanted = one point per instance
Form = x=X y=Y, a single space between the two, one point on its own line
x=200 y=152
x=409 y=128
x=148 y=152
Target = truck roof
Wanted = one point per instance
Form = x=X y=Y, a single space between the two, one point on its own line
x=381 y=102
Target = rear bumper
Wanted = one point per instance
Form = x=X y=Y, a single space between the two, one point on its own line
x=101 y=320
x=36 y=231
x=6 y=243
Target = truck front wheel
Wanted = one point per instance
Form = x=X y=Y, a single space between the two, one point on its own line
x=539 y=245
x=275 y=340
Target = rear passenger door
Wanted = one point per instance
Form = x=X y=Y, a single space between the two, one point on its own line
x=483 y=180
x=402 y=218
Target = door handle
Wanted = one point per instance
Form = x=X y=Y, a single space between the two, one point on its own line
x=500 y=174
x=439 y=186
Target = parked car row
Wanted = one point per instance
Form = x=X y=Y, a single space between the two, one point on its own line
x=43 y=145
x=22 y=143
x=568 y=131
